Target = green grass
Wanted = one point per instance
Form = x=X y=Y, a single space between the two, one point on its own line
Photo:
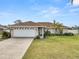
x=54 y=47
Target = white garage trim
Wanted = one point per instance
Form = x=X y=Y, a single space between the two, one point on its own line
x=24 y=32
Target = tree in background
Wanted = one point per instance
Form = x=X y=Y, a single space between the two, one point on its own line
x=17 y=21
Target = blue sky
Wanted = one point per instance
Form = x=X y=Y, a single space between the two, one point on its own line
x=39 y=11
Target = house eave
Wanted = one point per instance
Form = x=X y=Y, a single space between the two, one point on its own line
x=26 y=26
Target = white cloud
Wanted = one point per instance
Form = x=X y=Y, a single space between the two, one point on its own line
x=72 y=4
x=68 y=5
x=50 y=12
x=75 y=2
x=54 y=13
x=71 y=9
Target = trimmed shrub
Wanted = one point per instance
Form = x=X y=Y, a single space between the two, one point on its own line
x=68 y=34
x=65 y=34
x=56 y=34
x=37 y=37
x=47 y=33
x=6 y=35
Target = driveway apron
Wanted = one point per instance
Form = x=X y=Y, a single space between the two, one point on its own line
x=14 y=48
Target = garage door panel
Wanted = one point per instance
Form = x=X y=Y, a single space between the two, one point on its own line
x=24 y=33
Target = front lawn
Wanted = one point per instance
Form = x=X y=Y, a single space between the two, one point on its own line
x=54 y=47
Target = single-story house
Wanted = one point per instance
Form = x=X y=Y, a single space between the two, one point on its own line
x=31 y=29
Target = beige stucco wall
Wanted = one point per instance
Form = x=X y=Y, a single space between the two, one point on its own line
x=53 y=31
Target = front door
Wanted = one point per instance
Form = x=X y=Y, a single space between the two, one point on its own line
x=41 y=32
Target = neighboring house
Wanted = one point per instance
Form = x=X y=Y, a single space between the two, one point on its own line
x=1 y=28
x=4 y=28
x=31 y=29
x=67 y=29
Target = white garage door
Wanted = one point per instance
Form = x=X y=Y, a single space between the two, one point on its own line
x=24 y=33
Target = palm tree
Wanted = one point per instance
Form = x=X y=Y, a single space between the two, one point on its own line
x=55 y=25
x=58 y=27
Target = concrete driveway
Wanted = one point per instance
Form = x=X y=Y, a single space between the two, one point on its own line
x=14 y=48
